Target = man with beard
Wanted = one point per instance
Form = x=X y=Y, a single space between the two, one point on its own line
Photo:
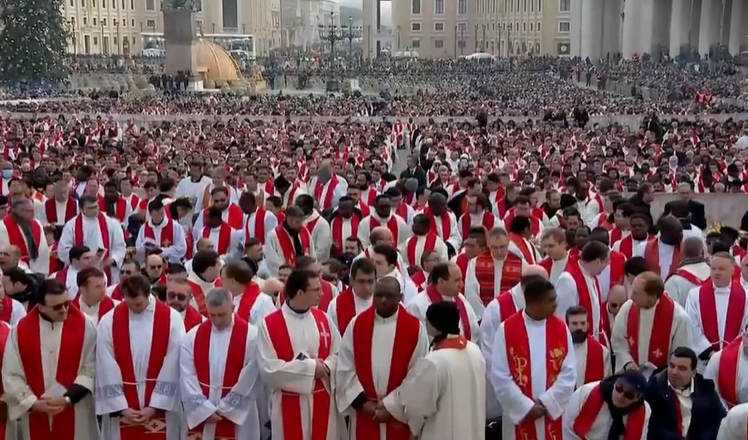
x=326 y=187
x=593 y=359
x=288 y=241
x=114 y=205
x=613 y=408
x=231 y=213
x=178 y=296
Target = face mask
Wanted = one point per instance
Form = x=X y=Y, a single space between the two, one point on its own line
x=578 y=336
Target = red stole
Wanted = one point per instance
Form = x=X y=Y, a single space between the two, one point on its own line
x=462 y=261
x=325 y=295
x=62 y=426
x=225 y=429
x=534 y=222
x=105 y=305
x=488 y=222
x=583 y=292
x=247 y=301
x=4 y=332
x=507 y=307
x=518 y=354
x=708 y=313
x=290 y=401
x=16 y=237
x=485 y=274
x=192 y=318
x=345 y=309
x=259 y=227
x=615 y=234
x=7 y=312
x=688 y=276
x=616 y=263
x=727 y=373
x=652 y=255
x=224 y=237
x=120 y=208
x=166 y=238
x=391 y=225
x=286 y=244
x=591 y=409
x=659 y=341
x=50 y=210
x=405 y=342
x=419 y=279
x=547 y=264
x=594 y=368
x=103 y=227
x=626 y=246
x=445 y=220
x=336 y=228
x=319 y=188
x=429 y=245
x=528 y=254
x=435 y=297
x=123 y=356
x=62 y=275
x=199 y=295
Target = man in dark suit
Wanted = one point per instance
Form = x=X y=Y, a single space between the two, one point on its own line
x=680 y=384
x=414 y=170
x=698 y=214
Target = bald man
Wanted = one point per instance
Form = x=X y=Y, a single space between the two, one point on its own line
x=692 y=272
x=616 y=297
x=497 y=311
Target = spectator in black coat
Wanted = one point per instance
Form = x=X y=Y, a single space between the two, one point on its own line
x=640 y=202
x=698 y=213
x=414 y=170
x=676 y=385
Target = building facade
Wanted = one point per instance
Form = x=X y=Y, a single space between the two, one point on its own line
x=113 y=27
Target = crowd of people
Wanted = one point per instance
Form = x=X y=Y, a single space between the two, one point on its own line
x=251 y=279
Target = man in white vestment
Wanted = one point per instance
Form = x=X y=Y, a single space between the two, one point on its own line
x=287 y=241
x=161 y=233
x=373 y=363
x=318 y=227
x=532 y=397
x=355 y=299
x=81 y=257
x=592 y=358
x=553 y=244
x=178 y=297
x=137 y=365
x=728 y=368
x=219 y=375
x=259 y=222
x=59 y=209
x=102 y=234
x=382 y=215
x=735 y=425
x=249 y=302
x=693 y=271
x=385 y=258
x=226 y=240
x=588 y=413
x=193 y=186
x=91 y=298
x=662 y=326
x=20 y=228
x=443 y=395
x=48 y=371
x=298 y=352
x=446 y=285
x=423 y=240
x=11 y=310
x=327 y=187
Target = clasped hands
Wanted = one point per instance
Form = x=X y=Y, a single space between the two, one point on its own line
x=377 y=411
x=138 y=417
x=537 y=411
x=50 y=405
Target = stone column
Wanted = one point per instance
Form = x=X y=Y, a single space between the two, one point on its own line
x=611 y=27
x=680 y=18
x=179 y=34
x=709 y=32
x=632 y=13
x=591 y=37
x=738 y=27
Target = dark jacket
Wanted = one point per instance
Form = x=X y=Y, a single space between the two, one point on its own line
x=698 y=215
x=706 y=413
x=419 y=174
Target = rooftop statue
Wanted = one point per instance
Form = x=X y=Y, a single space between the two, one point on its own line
x=192 y=5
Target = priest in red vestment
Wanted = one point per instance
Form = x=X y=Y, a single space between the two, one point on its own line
x=493 y=271
x=178 y=297
x=379 y=348
x=91 y=298
x=48 y=370
x=664 y=253
x=592 y=358
x=19 y=228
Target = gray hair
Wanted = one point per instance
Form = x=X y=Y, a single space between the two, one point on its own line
x=218 y=297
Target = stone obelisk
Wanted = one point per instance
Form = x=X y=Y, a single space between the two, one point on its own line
x=179 y=34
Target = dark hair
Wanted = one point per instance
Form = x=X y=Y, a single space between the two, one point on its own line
x=87 y=200
x=439 y=272
x=131 y=261
x=575 y=311
x=135 y=286
x=175 y=268
x=594 y=250
x=304 y=261
x=635 y=266
x=304 y=201
x=389 y=253
x=519 y=224
x=51 y=287
x=298 y=280
x=204 y=260
x=219 y=189
x=537 y=289
x=238 y=271
x=155 y=205
x=214 y=213
x=363 y=265
x=76 y=252
x=687 y=353
x=285 y=266
x=88 y=273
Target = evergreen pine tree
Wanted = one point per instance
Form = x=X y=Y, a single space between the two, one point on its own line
x=33 y=40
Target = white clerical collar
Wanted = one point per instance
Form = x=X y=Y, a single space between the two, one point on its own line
x=683 y=392
x=225 y=329
x=725 y=289
x=531 y=320
x=666 y=246
x=390 y=319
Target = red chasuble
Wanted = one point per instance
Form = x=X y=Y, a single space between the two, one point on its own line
x=16 y=237
x=391 y=225
x=166 y=238
x=50 y=210
x=192 y=318
x=224 y=237
x=105 y=305
x=444 y=219
x=406 y=340
x=616 y=263
x=336 y=229
x=485 y=271
x=652 y=255
x=7 y=312
x=583 y=292
x=4 y=333
x=79 y=235
x=197 y=293
x=225 y=429
x=488 y=222
x=727 y=373
x=412 y=245
x=345 y=309
x=247 y=301
x=659 y=341
x=62 y=426
x=591 y=409
x=259 y=226
x=290 y=401
x=319 y=189
x=286 y=243
x=708 y=314
x=120 y=208
x=518 y=356
x=594 y=368
x=123 y=356
x=435 y=297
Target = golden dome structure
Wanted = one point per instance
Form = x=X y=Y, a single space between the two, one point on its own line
x=214 y=62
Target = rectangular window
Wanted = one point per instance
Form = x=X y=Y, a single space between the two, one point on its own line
x=439 y=7
x=462 y=27
x=439 y=27
x=150 y=5
x=564 y=5
x=530 y=27
x=93 y=3
x=150 y=24
x=415 y=44
x=132 y=22
x=103 y=21
x=462 y=7
x=132 y=5
x=524 y=27
x=540 y=5
x=94 y=21
x=564 y=26
x=85 y=21
x=438 y=44
x=538 y=27
x=123 y=5
x=96 y=41
x=524 y=5
x=415 y=7
x=72 y=3
x=415 y=27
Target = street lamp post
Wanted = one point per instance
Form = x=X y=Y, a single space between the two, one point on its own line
x=353 y=33
x=116 y=25
x=333 y=34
